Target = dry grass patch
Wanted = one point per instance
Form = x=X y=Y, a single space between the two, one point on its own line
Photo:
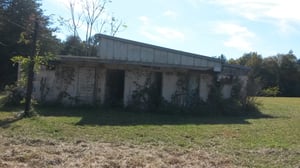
x=21 y=152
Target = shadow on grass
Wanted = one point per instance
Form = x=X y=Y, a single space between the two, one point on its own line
x=120 y=117
x=5 y=123
x=11 y=109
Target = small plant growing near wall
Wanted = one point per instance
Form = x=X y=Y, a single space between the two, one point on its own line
x=145 y=97
x=15 y=93
x=13 y=96
x=66 y=74
x=23 y=62
x=186 y=99
x=238 y=104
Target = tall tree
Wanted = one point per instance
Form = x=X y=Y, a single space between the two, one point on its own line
x=73 y=46
x=289 y=73
x=13 y=18
x=16 y=23
x=254 y=61
x=270 y=72
x=280 y=72
x=30 y=72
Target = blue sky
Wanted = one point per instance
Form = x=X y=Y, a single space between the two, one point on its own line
x=206 y=27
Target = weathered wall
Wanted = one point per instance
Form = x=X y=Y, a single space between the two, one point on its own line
x=68 y=84
x=89 y=80
x=244 y=80
x=133 y=79
x=100 y=84
x=169 y=85
x=45 y=85
x=205 y=84
x=193 y=82
x=226 y=91
x=66 y=78
x=85 y=83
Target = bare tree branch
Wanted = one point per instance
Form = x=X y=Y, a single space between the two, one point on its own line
x=92 y=12
x=75 y=21
x=93 y=15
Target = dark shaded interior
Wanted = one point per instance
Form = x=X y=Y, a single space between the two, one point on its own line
x=114 y=93
x=157 y=85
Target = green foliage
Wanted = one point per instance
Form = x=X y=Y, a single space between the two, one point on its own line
x=254 y=61
x=73 y=46
x=13 y=96
x=15 y=92
x=185 y=99
x=270 y=92
x=24 y=63
x=188 y=101
x=282 y=70
x=16 y=28
x=146 y=97
x=237 y=105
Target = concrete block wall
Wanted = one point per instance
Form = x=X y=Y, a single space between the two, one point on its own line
x=86 y=83
x=100 y=84
x=244 y=80
x=226 y=91
x=169 y=80
x=133 y=78
x=205 y=84
x=45 y=85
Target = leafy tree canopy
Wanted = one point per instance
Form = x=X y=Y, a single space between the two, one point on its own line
x=16 y=28
x=281 y=71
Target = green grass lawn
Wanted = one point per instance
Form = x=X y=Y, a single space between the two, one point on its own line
x=271 y=140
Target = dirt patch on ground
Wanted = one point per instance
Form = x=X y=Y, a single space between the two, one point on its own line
x=22 y=152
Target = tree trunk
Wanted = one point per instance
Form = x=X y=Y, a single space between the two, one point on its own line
x=30 y=73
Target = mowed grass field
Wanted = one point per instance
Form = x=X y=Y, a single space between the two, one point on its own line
x=90 y=137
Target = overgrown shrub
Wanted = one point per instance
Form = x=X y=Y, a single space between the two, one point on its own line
x=238 y=104
x=145 y=97
x=239 y=107
x=13 y=96
x=187 y=101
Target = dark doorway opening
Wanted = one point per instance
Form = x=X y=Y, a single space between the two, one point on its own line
x=114 y=94
x=157 y=88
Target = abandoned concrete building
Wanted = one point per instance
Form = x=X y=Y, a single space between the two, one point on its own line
x=122 y=67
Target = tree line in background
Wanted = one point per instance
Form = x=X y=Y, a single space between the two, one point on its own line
x=277 y=75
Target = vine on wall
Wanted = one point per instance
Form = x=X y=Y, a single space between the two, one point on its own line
x=146 y=96
x=187 y=99
x=237 y=104
x=66 y=75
